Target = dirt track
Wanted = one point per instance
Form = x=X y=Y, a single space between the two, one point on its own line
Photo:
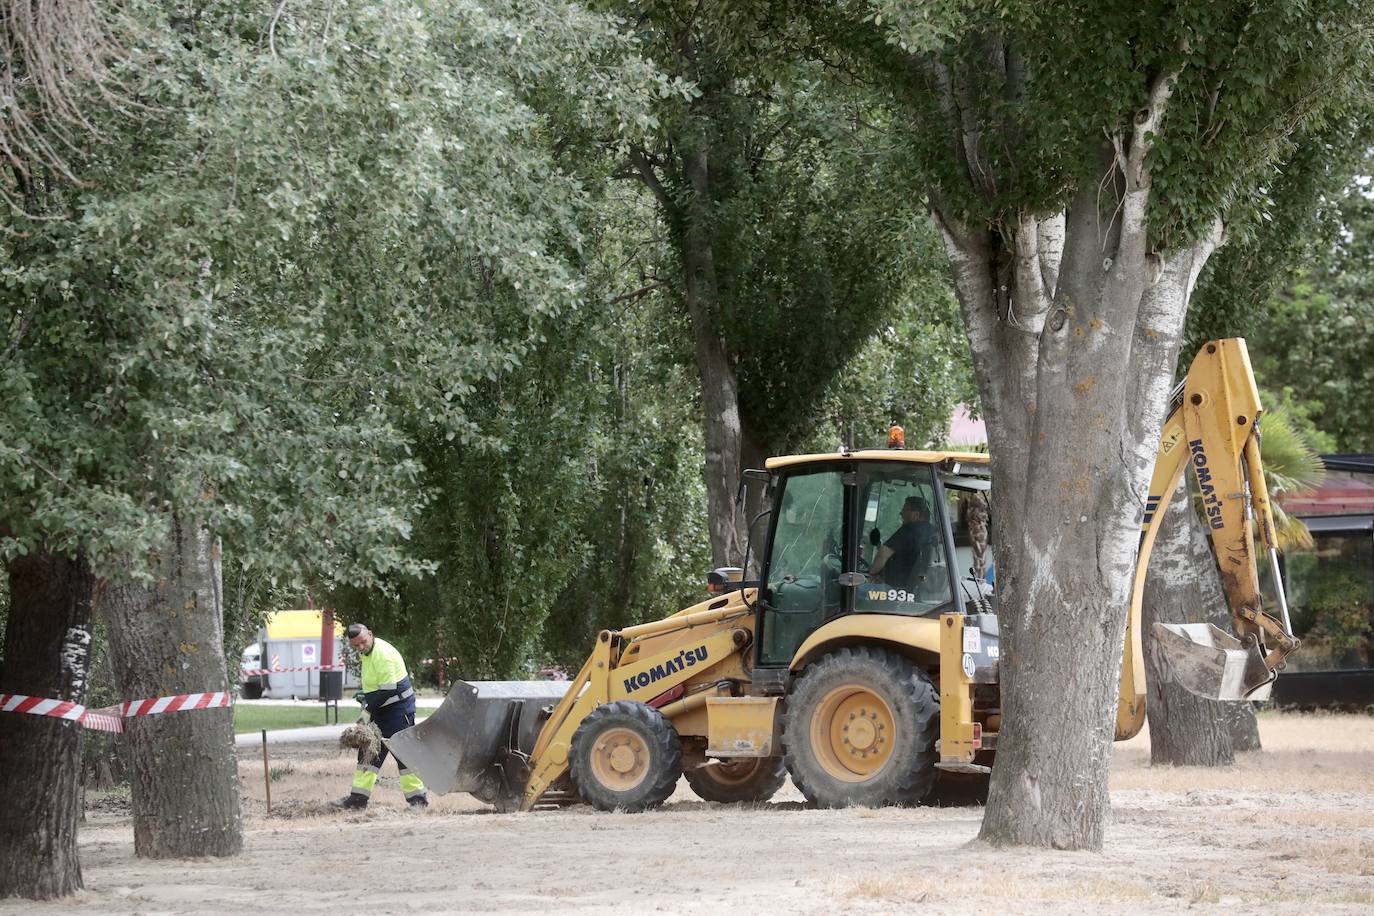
x=1291 y=829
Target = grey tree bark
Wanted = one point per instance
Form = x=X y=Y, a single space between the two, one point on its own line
x=47 y=654
x=689 y=220
x=167 y=638
x=1183 y=587
x=1074 y=324
x=719 y=385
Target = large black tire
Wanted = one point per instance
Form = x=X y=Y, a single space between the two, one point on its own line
x=626 y=757
x=251 y=690
x=746 y=779
x=860 y=728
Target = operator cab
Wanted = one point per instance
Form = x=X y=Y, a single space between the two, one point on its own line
x=868 y=532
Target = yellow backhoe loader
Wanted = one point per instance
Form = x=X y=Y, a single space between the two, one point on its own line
x=864 y=661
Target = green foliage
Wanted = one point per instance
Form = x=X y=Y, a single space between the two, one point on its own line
x=912 y=372
x=588 y=514
x=322 y=231
x=1249 y=82
x=828 y=281
x=1334 y=603
x=788 y=185
x=1315 y=339
x=582 y=508
x=1291 y=465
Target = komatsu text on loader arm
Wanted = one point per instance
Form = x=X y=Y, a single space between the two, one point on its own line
x=866 y=621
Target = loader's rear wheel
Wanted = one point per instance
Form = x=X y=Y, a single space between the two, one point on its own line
x=859 y=728
x=746 y=779
x=625 y=756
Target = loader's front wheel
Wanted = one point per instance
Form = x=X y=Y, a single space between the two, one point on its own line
x=626 y=756
x=859 y=728
x=746 y=779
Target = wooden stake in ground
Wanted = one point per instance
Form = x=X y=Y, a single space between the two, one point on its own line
x=266 y=772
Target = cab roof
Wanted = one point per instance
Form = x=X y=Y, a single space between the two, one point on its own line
x=912 y=456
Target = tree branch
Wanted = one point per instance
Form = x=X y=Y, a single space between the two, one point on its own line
x=645 y=170
x=634 y=294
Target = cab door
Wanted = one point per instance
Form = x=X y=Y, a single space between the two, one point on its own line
x=810 y=551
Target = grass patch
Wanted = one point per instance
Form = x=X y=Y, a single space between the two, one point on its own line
x=275 y=718
x=911 y=890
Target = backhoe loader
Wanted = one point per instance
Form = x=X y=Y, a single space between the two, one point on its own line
x=864 y=660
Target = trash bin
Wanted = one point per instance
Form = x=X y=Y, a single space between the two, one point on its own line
x=331 y=686
x=331 y=692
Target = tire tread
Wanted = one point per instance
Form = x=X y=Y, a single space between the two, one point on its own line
x=666 y=757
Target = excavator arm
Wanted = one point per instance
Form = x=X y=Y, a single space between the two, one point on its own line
x=1213 y=427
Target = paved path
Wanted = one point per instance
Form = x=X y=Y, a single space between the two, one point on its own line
x=430 y=702
x=348 y=714
x=292 y=735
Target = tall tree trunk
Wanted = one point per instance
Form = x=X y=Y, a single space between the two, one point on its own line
x=47 y=654
x=167 y=638
x=754 y=452
x=690 y=214
x=1074 y=323
x=1182 y=587
x=719 y=386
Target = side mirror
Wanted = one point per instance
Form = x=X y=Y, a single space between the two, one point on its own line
x=875 y=537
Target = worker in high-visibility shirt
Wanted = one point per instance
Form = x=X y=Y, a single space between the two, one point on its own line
x=390 y=701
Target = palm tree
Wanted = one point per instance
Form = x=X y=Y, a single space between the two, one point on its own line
x=1291 y=466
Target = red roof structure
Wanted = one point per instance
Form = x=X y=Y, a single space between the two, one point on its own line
x=1348 y=489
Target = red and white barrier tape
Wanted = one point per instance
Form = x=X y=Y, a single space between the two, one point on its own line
x=254 y=672
x=38 y=706
x=110 y=718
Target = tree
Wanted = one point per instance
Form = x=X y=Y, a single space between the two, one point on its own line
x=1315 y=328
x=1081 y=167
x=46 y=654
x=789 y=250
x=166 y=639
x=1298 y=222
x=318 y=232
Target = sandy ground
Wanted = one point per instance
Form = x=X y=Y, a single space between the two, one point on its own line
x=1291 y=829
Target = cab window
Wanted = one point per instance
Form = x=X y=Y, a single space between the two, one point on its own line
x=902 y=543
x=803 y=585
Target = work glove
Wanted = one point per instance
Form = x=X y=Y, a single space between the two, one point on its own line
x=360 y=698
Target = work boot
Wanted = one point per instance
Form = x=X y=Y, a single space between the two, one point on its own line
x=352 y=801
x=418 y=801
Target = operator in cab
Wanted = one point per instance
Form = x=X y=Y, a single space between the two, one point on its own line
x=904 y=559
x=390 y=701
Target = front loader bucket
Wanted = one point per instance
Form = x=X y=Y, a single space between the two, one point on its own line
x=1211 y=663
x=464 y=744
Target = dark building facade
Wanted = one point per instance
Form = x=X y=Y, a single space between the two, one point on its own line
x=1331 y=590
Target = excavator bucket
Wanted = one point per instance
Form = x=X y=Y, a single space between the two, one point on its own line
x=1211 y=663
x=475 y=740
